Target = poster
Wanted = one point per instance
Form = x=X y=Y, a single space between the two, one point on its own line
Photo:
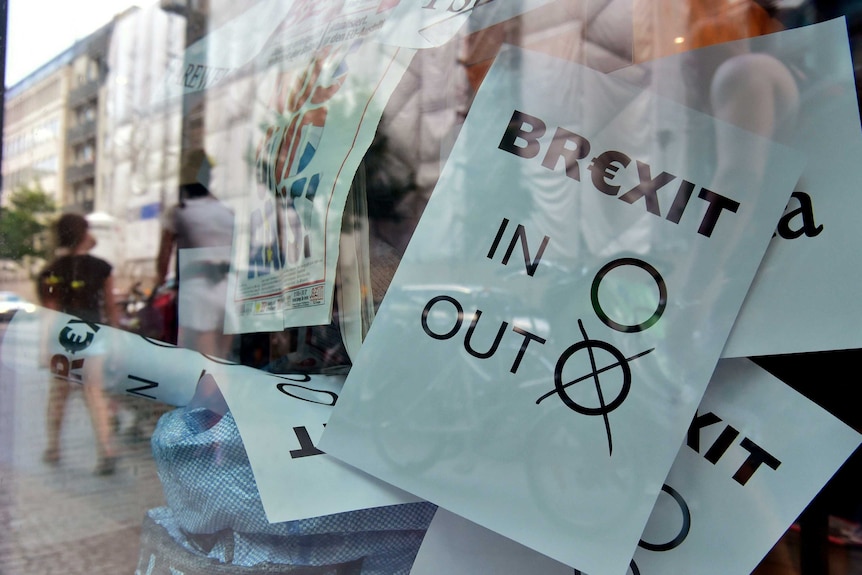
x=127 y=363
x=748 y=422
x=323 y=86
x=265 y=31
x=816 y=113
x=280 y=417
x=220 y=54
x=281 y=422
x=559 y=311
x=430 y=23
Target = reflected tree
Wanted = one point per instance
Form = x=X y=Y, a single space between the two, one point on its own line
x=23 y=224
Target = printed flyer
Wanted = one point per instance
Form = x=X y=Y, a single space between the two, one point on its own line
x=803 y=81
x=223 y=52
x=430 y=23
x=267 y=30
x=280 y=417
x=325 y=84
x=560 y=310
x=281 y=424
x=753 y=439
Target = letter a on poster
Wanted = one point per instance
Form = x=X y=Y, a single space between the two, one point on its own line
x=809 y=73
x=561 y=307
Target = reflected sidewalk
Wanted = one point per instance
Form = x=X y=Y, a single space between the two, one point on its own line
x=63 y=519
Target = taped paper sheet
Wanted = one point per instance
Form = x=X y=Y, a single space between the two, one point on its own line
x=560 y=309
x=49 y=342
x=316 y=123
x=803 y=81
x=280 y=417
x=747 y=416
x=281 y=423
x=430 y=23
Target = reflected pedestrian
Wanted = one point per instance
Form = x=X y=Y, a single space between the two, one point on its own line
x=199 y=221
x=81 y=285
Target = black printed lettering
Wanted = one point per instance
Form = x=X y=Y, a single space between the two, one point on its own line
x=523 y=136
x=756 y=456
x=65 y=369
x=717 y=203
x=459 y=318
x=524 y=127
x=558 y=149
x=500 y=231
x=647 y=188
x=187 y=78
x=72 y=340
x=805 y=212
x=148 y=384
x=327 y=398
x=456 y=7
x=198 y=69
x=721 y=444
x=469 y=337
x=684 y=529
x=698 y=423
x=604 y=167
x=60 y=366
x=521 y=235
x=306 y=446
x=528 y=337
x=661 y=305
x=680 y=201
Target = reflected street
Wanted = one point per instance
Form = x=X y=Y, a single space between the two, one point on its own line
x=64 y=519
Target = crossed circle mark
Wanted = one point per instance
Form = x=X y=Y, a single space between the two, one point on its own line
x=604 y=408
x=621 y=362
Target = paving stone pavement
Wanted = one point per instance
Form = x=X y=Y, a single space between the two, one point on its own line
x=63 y=519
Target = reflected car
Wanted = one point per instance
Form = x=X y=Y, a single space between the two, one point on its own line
x=10 y=303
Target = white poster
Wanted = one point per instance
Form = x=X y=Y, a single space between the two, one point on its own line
x=270 y=30
x=280 y=417
x=802 y=82
x=559 y=310
x=323 y=87
x=220 y=54
x=756 y=453
x=455 y=546
x=126 y=363
x=430 y=23
x=281 y=422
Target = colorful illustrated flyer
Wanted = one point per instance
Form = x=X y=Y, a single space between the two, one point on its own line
x=803 y=82
x=325 y=85
x=560 y=310
x=753 y=440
